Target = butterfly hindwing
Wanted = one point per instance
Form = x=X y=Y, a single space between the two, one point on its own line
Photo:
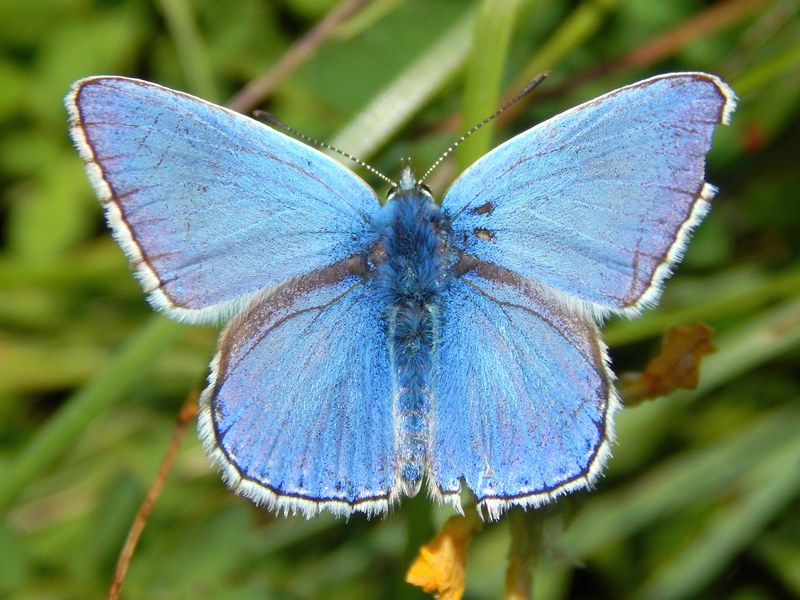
x=524 y=399
x=598 y=201
x=298 y=410
x=209 y=205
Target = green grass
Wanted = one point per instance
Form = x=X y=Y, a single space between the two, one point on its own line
x=701 y=498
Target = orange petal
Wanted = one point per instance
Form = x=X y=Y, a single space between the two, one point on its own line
x=440 y=565
x=677 y=366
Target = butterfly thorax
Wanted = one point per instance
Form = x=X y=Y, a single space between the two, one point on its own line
x=411 y=262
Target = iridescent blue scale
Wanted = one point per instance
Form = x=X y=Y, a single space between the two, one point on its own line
x=376 y=347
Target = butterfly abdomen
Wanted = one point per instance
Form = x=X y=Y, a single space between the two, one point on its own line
x=410 y=278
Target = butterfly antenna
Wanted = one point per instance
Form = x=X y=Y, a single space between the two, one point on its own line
x=525 y=91
x=272 y=119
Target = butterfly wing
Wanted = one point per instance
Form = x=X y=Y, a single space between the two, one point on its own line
x=211 y=206
x=298 y=410
x=597 y=202
x=524 y=399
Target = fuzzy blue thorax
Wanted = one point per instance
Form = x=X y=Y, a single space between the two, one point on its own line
x=411 y=266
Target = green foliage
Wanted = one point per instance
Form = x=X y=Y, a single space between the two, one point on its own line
x=701 y=498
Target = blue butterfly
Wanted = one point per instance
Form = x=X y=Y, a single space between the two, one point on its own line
x=375 y=346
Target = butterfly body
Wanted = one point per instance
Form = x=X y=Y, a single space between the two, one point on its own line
x=412 y=261
x=376 y=347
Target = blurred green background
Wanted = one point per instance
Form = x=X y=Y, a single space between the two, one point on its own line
x=701 y=497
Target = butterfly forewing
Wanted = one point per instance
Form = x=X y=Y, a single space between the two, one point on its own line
x=598 y=201
x=209 y=205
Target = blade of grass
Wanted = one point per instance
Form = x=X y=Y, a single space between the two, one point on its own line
x=764 y=490
x=490 y=42
x=128 y=368
x=684 y=479
x=743 y=349
x=394 y=107
x=190 y=49
x=524 y=553
x=187 y=414
x=762 y=338
x=774 y=68
x=716 y=17
x=302 y=50
x=577 y=28
x=735 y=295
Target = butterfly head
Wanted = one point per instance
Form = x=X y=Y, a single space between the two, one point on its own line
x=408 y=185
x=408 y=181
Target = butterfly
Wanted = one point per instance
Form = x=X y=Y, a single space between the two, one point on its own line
x=376 y=346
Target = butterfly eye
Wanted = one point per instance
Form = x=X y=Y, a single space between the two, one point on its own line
x=390 y=194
